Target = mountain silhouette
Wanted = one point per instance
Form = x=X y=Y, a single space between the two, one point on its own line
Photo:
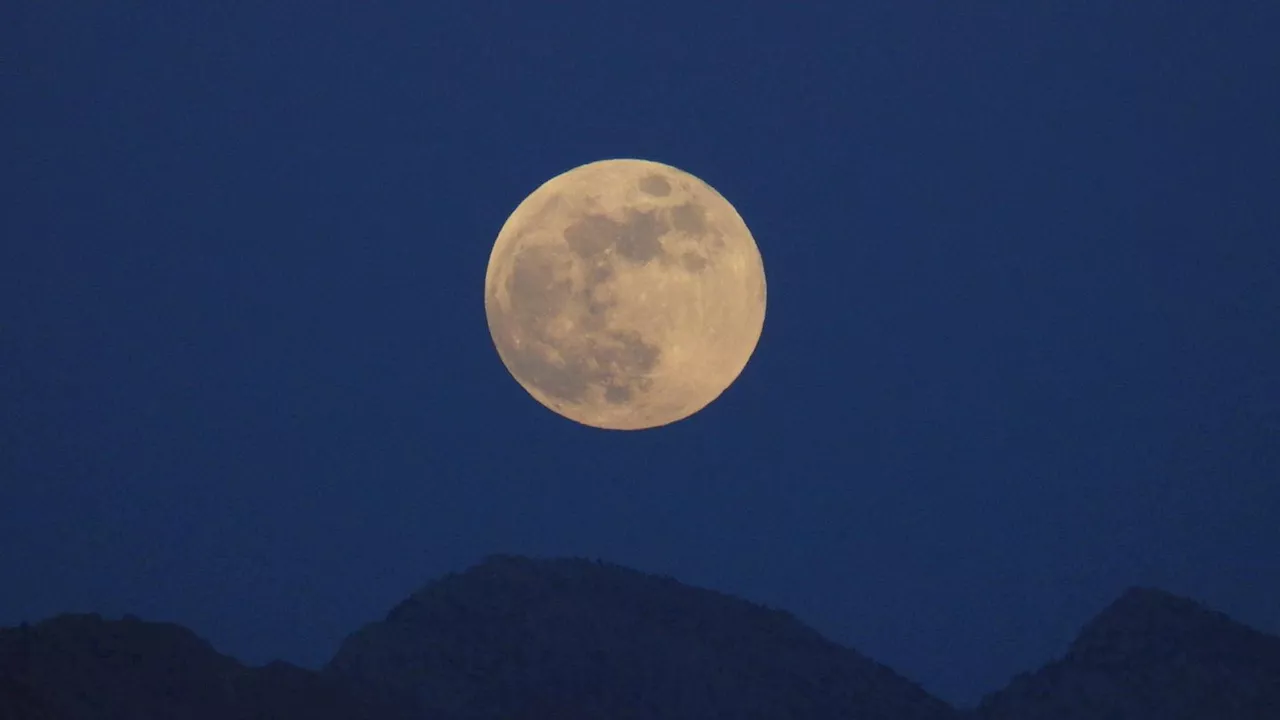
x=520 y=638
x=75 y=667
x=566 y=639
x=1151 y=655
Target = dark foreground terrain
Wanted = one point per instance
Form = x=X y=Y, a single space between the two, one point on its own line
x=521 y=639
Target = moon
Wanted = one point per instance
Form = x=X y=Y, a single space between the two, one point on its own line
x=625 y=294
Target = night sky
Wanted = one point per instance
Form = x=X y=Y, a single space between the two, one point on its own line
x=1022 y=347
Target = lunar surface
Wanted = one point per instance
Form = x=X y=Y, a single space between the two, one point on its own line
x=625 y=294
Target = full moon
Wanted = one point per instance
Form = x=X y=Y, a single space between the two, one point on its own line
x=625 y=294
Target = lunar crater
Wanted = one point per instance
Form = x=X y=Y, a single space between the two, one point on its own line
x=690 y=218
x=693 y=262
x=637 y=239
x=654 y=185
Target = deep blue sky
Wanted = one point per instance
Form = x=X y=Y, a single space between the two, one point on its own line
x=1022 y=346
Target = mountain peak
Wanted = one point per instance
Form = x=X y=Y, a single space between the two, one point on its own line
x=1151 y=653
x=501 y=582
x=1151 y=622
x=570 y=637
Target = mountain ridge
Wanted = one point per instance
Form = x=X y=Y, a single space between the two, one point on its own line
x=516 y=637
